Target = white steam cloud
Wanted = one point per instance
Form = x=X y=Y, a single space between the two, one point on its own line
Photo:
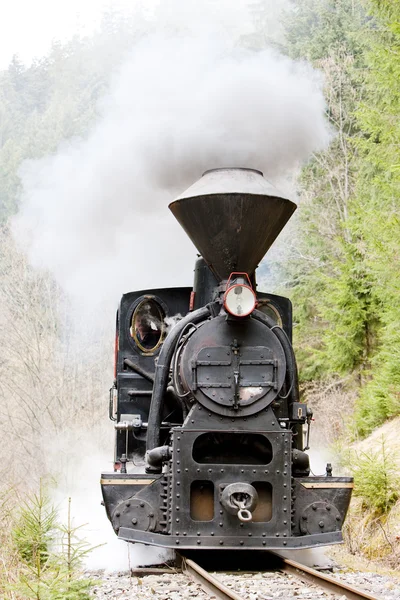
x=95 y=213
x=77 y=470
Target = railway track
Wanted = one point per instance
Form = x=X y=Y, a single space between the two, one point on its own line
x=238 y=576
x=213 y=586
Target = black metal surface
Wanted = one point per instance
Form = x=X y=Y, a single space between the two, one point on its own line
x=232 y=216
x=231 y=560
x=138 y=369
x=292 y=377
x=135 y=369
x=224 y=425
x=205 y=284
x=234 y=368
x=321 y=508
x=186 y=470
x=230 y=542
x=280 y=305
x=162 y=376
x=119 y=487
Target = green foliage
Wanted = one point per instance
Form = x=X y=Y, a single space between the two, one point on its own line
x=376 y=480
x=344 y=273
x=35 y=530
x=51 y=555
x=316 y=28
x=351 y=309
x=376 y=216
x=380 y=398
x=34 y=534
x=329 y=283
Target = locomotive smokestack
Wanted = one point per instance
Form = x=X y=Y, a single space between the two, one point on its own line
x=232 y=216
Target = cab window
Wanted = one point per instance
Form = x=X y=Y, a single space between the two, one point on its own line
x=147 y=325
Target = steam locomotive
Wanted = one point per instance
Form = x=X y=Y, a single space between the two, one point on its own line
x=210 y=450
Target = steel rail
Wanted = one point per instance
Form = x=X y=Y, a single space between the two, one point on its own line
x=211 y=585
x=327 y=582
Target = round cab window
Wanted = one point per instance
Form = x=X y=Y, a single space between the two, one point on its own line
x=269 y=309
x=147 y=325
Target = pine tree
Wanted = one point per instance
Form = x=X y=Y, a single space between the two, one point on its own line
x=33 y=535
x=377 y=221
x=51 y=554
x=326 y=272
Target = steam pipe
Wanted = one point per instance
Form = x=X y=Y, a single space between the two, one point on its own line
x=287 y=348
x=161 y=375
x=138 y=369
x=157 y=456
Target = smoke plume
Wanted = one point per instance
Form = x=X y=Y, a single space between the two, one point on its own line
x=95 y=213
x=188 y=99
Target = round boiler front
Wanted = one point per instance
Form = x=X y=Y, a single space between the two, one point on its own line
x=233 y=368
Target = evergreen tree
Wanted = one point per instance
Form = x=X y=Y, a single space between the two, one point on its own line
x=376 y=222
x=330 y=286
x=51 y=555
x=33 y=535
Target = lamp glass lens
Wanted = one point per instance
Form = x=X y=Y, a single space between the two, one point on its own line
x=240 y=300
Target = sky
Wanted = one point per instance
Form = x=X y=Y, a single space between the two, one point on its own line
x=28 y=28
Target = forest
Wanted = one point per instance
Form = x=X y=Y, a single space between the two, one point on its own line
x=341 y=267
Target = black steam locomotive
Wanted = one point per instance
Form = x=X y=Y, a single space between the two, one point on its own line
x=210 y=451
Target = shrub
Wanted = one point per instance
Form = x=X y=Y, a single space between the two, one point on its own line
x=376 y=480
x=50 y=554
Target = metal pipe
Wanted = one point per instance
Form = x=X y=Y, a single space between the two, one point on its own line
x=161 y=375
x=139 y=370
x=157 y=456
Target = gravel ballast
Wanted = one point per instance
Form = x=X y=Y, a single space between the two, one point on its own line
x=258 y=586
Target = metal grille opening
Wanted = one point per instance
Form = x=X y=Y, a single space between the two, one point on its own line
x=227 y=448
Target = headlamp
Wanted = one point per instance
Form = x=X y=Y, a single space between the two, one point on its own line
x=239 y=299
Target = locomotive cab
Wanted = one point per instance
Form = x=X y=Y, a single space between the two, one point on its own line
x=143 y=321
x=209 y=424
